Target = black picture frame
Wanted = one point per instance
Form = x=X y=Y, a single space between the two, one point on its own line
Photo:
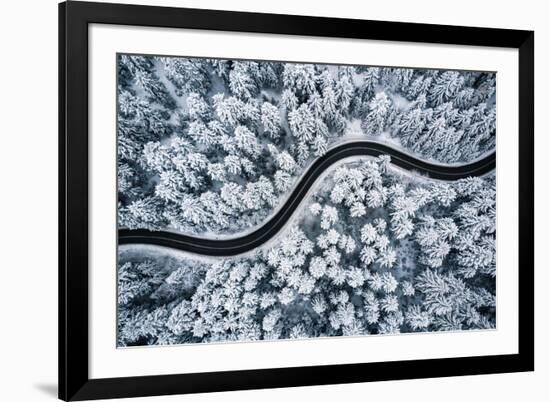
x=74 y=19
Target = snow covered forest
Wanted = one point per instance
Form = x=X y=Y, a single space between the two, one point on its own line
x=212 y=147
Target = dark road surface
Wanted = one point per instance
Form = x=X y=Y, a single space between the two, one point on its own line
x=270 y=228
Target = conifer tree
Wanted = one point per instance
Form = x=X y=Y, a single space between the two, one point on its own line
x=271 y=119
x=378 y=116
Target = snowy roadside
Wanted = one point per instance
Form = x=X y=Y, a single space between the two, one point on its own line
x=296 y=217
x=354 y=133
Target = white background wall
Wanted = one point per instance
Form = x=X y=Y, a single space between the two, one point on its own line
x=28 y=198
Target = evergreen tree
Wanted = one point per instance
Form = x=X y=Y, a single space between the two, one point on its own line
x=419 y=86
x=416 y=318
x=378 y=116
x=302 y=123
x=271 y=119
x=241 y=82
x=299 y=78
x=187 y=74
x=198 y=108
x=371 y=79
x=445 y=87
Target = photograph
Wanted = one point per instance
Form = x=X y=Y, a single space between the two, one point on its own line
x=265 y=200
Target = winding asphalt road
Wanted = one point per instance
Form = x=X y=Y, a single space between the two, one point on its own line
x=270 y=228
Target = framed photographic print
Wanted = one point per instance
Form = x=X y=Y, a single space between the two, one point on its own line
x=257 y=200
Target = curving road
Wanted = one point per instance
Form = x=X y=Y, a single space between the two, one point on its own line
x=270 y=228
